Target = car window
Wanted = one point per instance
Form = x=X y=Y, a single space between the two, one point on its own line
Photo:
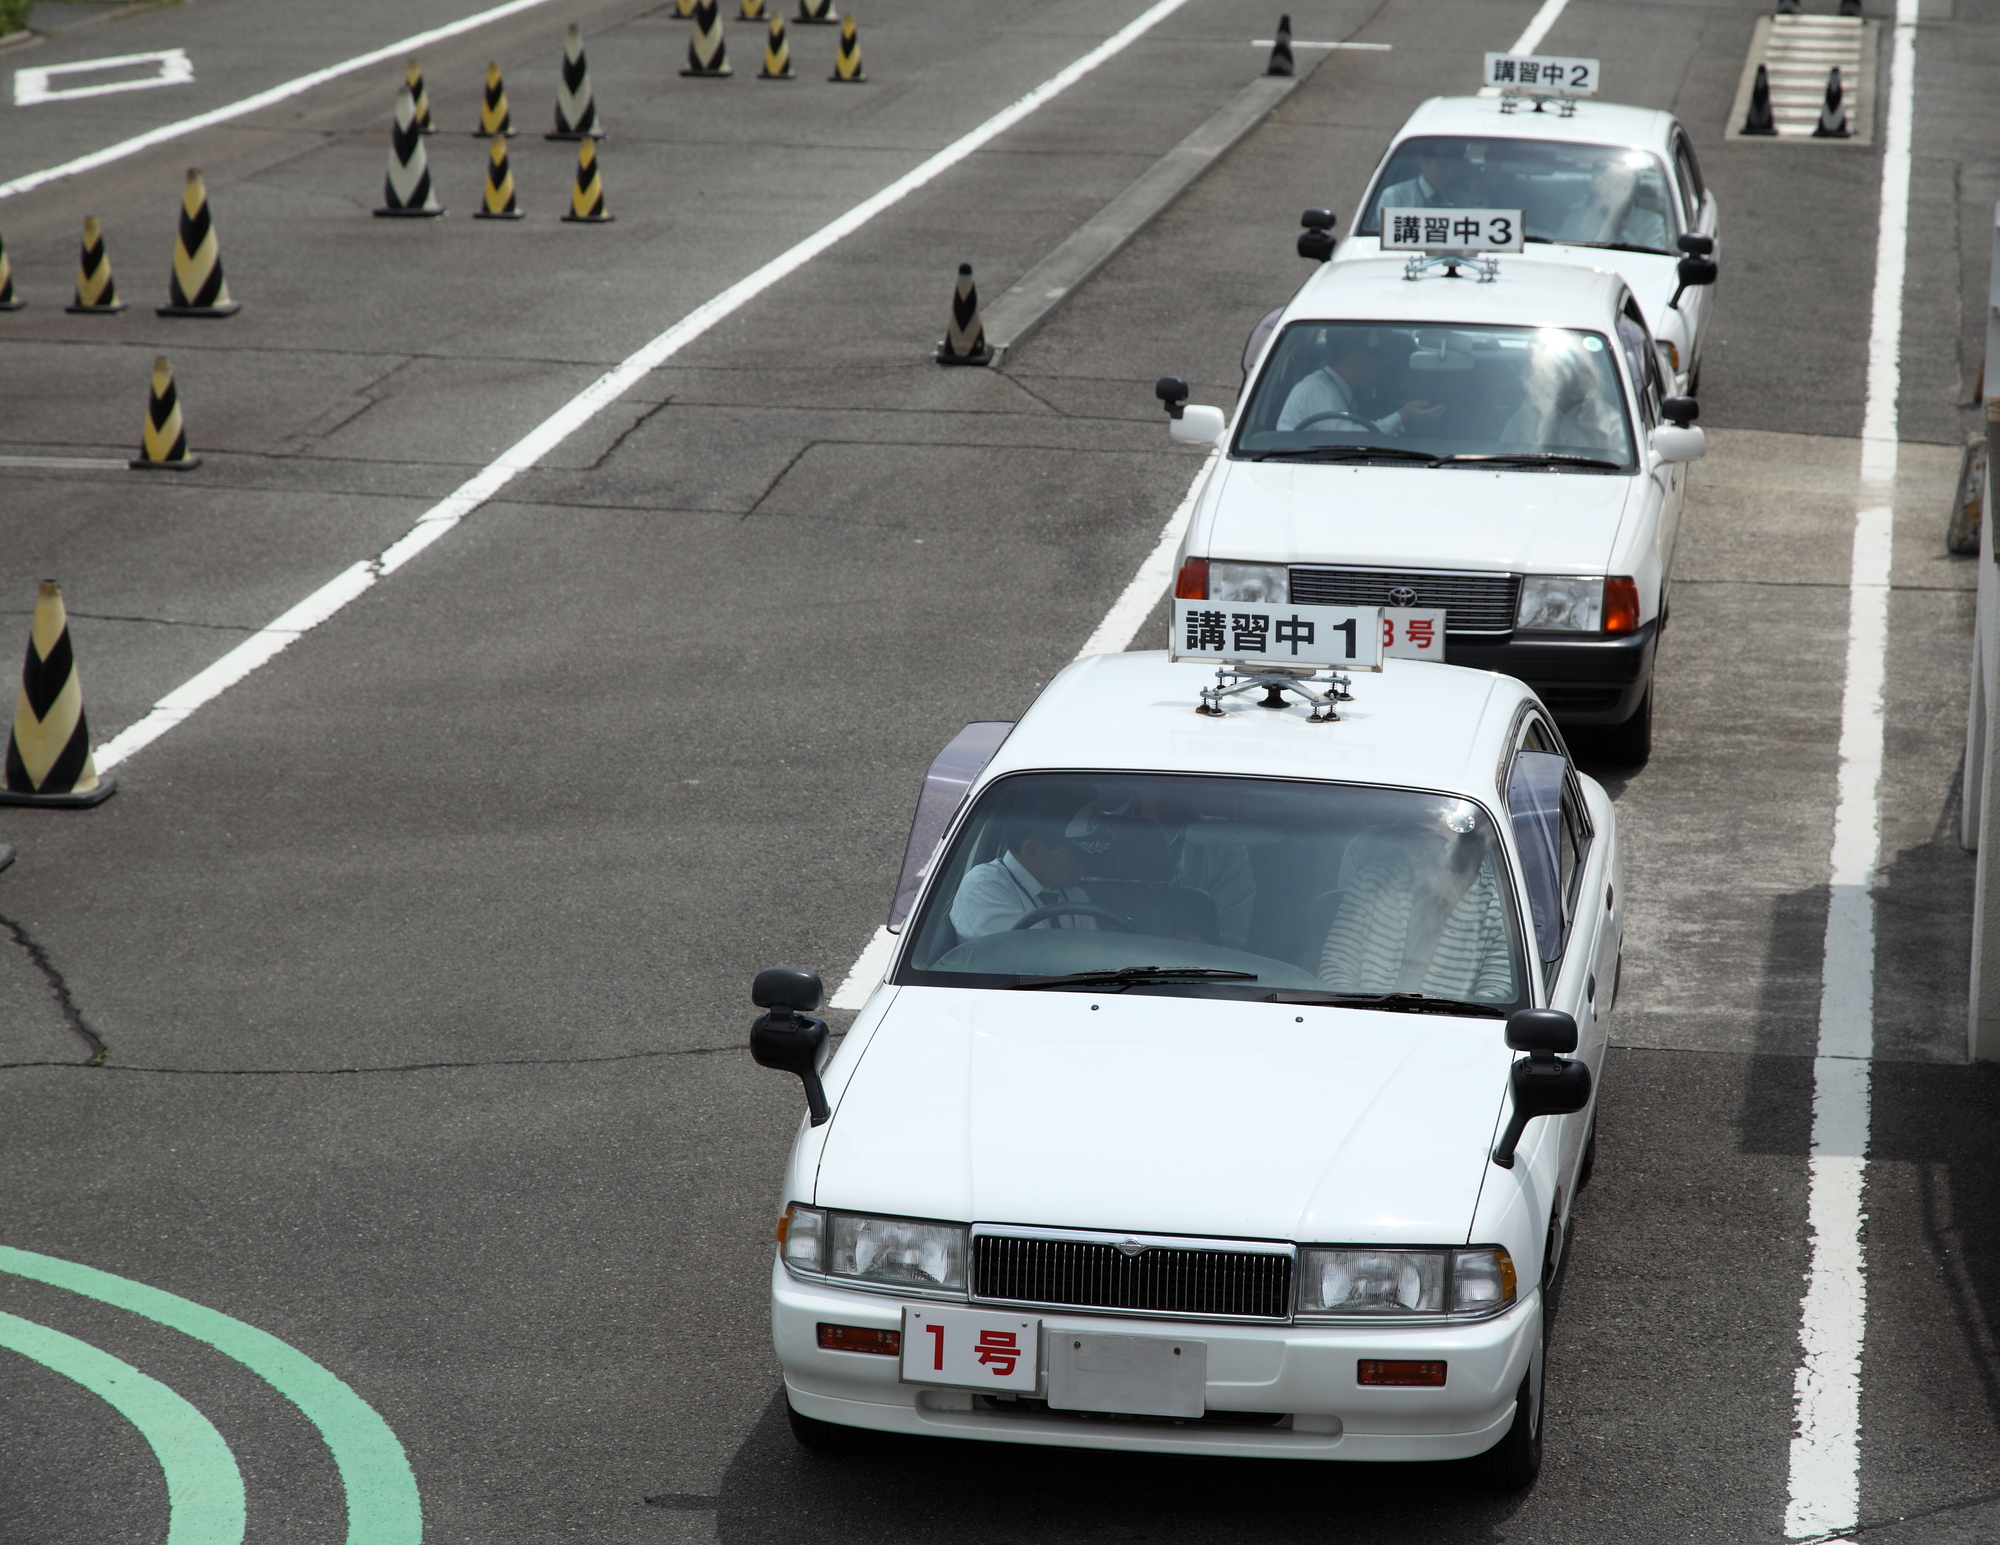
x=1587 y=195
x=1645 y=362
x=1573 y=844
x=1692 y=188
x=1303 y=886
x=1463 y=391
x=1534 y=804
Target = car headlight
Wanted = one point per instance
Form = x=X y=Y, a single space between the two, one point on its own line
x=1354 y=1281
x=1232 y=581
x=1560 y=603
x=884 y=1252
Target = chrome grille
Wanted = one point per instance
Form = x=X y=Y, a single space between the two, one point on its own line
x=1160 y=1280
x=1473 y=603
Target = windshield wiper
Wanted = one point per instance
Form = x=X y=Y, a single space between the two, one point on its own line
x=1347 y=453
x=1134 y=976
x=1615 y=246
x=1393 y=1002
x=1530 y=459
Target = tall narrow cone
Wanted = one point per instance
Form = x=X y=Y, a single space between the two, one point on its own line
x=406 y=190
x=414 y=78
x=817 y=13
x=48 y=748
x=1833 y=113
x=576 y=108
x=96 y=294
x=1281 y=50
x=708 y=55
x=847 y=69
x=777 y=53
x=197 y=288
x=494 y=116
x=1759 y=119
x=163 y=443
x=497 y=203
x=965 y=334
x=586 y=200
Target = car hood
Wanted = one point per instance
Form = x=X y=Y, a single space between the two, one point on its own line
x=1166 y=1115
x=1415 y=517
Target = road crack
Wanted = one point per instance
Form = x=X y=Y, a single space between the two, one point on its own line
x=59 y=990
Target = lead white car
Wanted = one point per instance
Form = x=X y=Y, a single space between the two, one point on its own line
x=1175 y=1123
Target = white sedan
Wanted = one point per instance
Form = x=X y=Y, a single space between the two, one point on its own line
x=1192 y=1115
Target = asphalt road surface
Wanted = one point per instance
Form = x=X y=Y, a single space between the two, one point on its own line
x=421 y=955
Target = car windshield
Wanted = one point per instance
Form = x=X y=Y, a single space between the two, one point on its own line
x=1590 y=195
x=1459 y=395
x=1223 y=887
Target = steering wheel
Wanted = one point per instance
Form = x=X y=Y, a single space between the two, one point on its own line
x=1080 y=909
x=1352 y=418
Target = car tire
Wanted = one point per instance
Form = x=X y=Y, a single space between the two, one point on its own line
x=828 y=1438
x=1588 y=1166
x=1629 y=744
x=1511 y=1465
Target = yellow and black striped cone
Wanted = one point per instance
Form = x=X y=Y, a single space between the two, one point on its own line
x=420 y=94
x=576 y=108
x=753 y=10
x=847 y=62
x=499 y=200
x=817 y=13
x=407 y=191
x=9 y=301
x=1832 y=115
x=684 y=7
x=96 y=295
x=965 y=335
x=494 y=118
x=586 y=200
x=777 y=53
x=48 y=752
x=197 y=288
x=1281 y=50
x=708 y=56
x=163 y=443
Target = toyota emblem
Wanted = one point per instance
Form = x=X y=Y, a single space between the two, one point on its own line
x=1403 y=595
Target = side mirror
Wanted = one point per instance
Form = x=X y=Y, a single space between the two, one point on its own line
x=1546 y=1083
x=1172 y=391
x=1199 y=426
x=1674 y=444
x=1694 y=270
x=787 y=1037
x=1698 y=246
x=1680 y=411
x=1316 y=241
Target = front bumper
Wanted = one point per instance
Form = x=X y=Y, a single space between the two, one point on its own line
x=1304 y=1373
x=1590 y=680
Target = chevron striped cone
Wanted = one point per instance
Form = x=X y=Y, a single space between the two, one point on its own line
x=499 y=200
x=48 y=753
x=1759 y=120
x=817 y=13
x=586 y=200
x=96 y=295
x=494 y=118
x=163 y=444
x=422 y=97
x=1832 y=115
x=847 y=62
x=684 y=7
x=197 y=288
x=753 y=10
x=576 y=108
x=965 y=337
x=1281 y=50
x=9 y=301
x=707 y=55
x=777 y=53
x=407 y=191
x=1850 y=7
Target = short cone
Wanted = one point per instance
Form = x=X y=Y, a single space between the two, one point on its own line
x=1281 y=50
x=576 y=108
x=753 y=10
x=498 y=203
x=494 y=118
x=707 y=55
x=1759 y=119
x=777 y=53
x=163 y=444
x=965 y=335
x=1832 y=115
x=586 y=200
x=1850 y=7
x=847 y=61
x=9 y=301
x=197 y=288
x=96 y=294
x=407 y=191
x=1788 y=7
x=48 y=750
x=817 y=13
x=415 y=79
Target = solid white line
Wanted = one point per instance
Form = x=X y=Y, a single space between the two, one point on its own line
x=1825 y=1483
x=291 y=88
x=265 y=644
x=1531 y=39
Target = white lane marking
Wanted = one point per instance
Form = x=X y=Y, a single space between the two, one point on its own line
x=1825 y=1486
x=266 y=643
x=1531 y=39
x=263 y=99
x=1120 y=626
x=171 y=67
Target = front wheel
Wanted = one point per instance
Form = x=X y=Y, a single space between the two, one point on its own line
x=1512 y=1464
x=1629 y=744
x=829 y=1438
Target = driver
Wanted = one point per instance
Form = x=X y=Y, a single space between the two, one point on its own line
x=1039 y=868
x=1610 y=211
x=1332 y=394
x=1569 y=415
x=1442 y=182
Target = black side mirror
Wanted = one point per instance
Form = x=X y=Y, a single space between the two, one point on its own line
x=1172 y=391
x=1546 y=1084
x=1316 y=240
x=787 y=1037
x=1694 y=270
x=1680 y=411
x=1698 y=246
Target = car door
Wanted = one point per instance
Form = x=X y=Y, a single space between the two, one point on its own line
x=1699 y=213
x=1663 y=491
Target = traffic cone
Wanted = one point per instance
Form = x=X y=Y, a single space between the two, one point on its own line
x=817 y=13
x=777 y=53
x=415 y=78
x=197 y=288
x=48 y=753
x=576 y=108
x=706 y=54
x=1850 y=7
x=684 y=7
x=96 y=294
x=753 y=10
x=9 y=301
x=1281 y=50
x=406 y=191
x=1759 y=119
x=493 y=115
x=965 y=335
x=586 y=200
x=1788 y=7
x=163 y=443
x=499 y=200
x=1832 y=115
x=847 y=62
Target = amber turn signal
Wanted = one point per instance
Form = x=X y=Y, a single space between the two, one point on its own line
x=1621 y=605
x=883 y=1343
x=1191 y=584
x=1398 y=1373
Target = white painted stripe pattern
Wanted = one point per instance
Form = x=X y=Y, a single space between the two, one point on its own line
x=1531 y=39
x=1825 y=1489
x=1801 y=50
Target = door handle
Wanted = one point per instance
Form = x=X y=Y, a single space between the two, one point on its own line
x=1590 y=989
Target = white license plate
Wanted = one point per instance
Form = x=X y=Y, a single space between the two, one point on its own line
x=1133 y=1375
x=1413 y=632
x=971 y=1349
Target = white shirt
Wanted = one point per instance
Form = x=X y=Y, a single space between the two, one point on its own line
x=1324 y=392
x=1417 y=193
x=997 y=894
